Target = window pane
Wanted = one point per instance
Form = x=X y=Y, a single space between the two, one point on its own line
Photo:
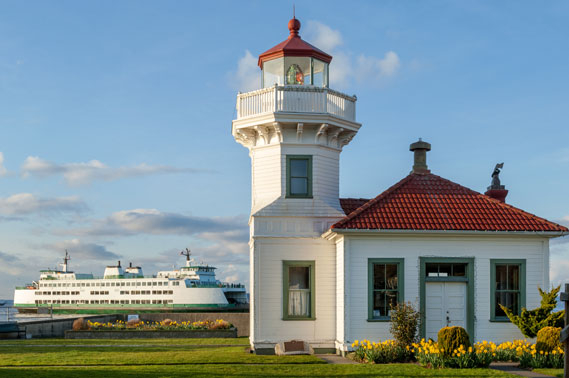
x=391 y=274
x=509 y=300
x=299 y=277
x=459 y=270
x=513 y=277
x=379 y=304
x=391 y=299
x=444 y=270
x=298 y=186
x=432 y=270
x=501 y=277
x=299 y=302
x=379 y=276
x=299 y=167
x=273 y=72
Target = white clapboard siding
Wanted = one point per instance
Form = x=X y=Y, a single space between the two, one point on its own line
x=269 y=328
x=482 y=249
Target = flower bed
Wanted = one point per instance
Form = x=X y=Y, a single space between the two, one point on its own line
x=165 y=325
x=164 y=329
x=481 y=354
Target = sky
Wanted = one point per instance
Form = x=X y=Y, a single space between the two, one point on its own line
x=115 y=118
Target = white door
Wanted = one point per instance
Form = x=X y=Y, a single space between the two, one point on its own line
x=445 y=306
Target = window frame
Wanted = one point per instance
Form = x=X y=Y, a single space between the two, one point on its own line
x=289 y=158
x=400 y=262
x=299 y=263
x=522 y=285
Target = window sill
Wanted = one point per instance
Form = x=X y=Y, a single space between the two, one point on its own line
x=500 y=320
x=378 y=320
x=287 y=319
x=299 y=197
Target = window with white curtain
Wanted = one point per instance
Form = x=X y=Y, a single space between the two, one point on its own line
x=298 y=290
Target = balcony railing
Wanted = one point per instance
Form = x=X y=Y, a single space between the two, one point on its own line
x=296 y=99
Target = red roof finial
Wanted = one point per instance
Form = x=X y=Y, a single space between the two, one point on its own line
x=294 y=27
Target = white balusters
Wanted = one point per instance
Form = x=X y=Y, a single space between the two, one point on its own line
x=296 y=99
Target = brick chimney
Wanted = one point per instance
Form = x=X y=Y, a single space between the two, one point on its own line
x=420 y=149
x=496 y=190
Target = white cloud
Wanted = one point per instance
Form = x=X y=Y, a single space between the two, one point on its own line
x=347 y=68
x=83 y=250
x=3 y=169
x=155 y=222
x=87 y=172
x=323 y=36
x=27 y=203
x=248 y=75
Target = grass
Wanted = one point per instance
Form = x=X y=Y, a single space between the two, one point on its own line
x=186 y=357
x=552 y=372
x=169 y=342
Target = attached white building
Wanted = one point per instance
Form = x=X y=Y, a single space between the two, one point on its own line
x=326 y=269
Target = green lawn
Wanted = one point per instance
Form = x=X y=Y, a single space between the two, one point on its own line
x=186 y=357
x=552 y=372
x=169 y=342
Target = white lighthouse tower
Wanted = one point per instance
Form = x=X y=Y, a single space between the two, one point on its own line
x=295 y=127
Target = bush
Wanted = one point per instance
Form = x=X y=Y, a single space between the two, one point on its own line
x=79 y=324
x=404 y=323
x=451 y=338
x=531 y=321
x=548 y=339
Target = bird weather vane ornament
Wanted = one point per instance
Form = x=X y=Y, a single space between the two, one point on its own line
x=496 y=177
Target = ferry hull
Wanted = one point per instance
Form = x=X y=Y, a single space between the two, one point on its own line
x=129 y=309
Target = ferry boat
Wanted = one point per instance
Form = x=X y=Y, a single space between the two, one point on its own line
x=192 y=287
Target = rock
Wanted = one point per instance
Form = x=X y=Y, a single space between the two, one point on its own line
x=293 y=347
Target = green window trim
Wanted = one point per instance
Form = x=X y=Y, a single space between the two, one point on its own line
x=522 y=285
x=289 y=158
x=299 y=263
x=469 y=288
x=400 y=262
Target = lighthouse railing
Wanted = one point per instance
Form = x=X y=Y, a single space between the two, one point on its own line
x=296 y=99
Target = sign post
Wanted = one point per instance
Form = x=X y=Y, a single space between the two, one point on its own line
x=565 y=332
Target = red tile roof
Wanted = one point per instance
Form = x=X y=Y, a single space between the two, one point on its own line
x=293 y=46
x=430 y=202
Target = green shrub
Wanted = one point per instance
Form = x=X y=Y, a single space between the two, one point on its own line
x=548 y=339
x=531 y=321
x=404 y=323
x=451 y=338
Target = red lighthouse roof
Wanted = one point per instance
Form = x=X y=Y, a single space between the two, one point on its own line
x=293 y=46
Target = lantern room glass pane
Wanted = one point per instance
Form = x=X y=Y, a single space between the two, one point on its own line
x=273 y=72
x=297 y=70
x=320 y=70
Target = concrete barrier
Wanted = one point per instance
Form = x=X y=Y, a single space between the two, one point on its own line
x=57 y=327
x=120 y=335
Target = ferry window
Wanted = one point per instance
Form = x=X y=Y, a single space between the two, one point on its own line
x=154 y=283
x=160 y=283
x=144 y=284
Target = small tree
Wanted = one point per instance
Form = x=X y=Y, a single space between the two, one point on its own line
x=531 y=321
x=404 y=323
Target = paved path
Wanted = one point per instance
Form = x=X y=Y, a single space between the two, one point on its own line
x=335 y=359
x=512 y=368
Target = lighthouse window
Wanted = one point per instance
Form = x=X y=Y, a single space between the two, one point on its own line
x=298 y=290
x=299 y=176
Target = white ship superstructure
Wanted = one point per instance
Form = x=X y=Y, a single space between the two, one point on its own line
x=193 y=286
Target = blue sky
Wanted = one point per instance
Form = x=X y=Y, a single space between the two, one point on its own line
x=116 y=115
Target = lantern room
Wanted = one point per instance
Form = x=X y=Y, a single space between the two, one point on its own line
x=294 y=62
